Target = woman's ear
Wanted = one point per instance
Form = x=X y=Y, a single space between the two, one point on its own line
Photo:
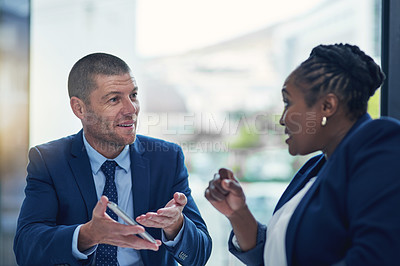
x=78 y=107
x=329 y=105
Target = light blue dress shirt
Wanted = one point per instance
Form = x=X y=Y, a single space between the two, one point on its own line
x=123 y=182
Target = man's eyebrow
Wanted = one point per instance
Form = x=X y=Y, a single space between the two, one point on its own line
x=111 y=93
x=135 y=89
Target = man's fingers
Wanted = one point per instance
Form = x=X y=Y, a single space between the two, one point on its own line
x=116 y=230
x=157 y=220
x=135 y=242
x=101 y=206
x=168 y=212
x=180 y=198
x=144 y=244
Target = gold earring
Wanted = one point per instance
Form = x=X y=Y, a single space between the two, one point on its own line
x=323 y=122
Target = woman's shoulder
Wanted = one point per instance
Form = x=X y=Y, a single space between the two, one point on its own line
x=378 y=128
x=386 y=123
x=382 y=132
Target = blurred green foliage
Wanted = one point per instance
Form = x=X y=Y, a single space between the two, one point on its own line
x=374 y=105
x=247 y=138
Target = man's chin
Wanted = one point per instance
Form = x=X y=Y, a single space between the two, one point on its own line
x=132 y=141
x=129 y=140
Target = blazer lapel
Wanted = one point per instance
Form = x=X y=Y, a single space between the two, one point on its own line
x=298 y=213
x=140 y=178
x=140 y=185
x=299 y=180
x=80 y=165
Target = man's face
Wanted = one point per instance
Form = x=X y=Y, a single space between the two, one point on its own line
x=111 y=116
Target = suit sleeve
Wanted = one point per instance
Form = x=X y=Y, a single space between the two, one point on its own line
x=374 y=196
x=39 y=240
x=194 y=248
x=255 y=256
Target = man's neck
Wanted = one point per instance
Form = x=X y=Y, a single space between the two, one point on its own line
x=107 y=149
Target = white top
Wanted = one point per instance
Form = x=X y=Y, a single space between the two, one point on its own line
x=275 y=246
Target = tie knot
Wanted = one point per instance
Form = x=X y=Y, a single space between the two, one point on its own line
x=108 y=168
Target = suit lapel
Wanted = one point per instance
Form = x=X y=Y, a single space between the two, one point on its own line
x=140 y=185
x=318 y=170
x=140 y=178
x=80 y=165
x=299 y=180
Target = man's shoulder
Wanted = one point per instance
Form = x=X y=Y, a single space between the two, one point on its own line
x=56 y=145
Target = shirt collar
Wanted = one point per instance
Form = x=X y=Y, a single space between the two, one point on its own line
x=97 y=160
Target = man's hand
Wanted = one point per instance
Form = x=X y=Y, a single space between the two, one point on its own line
x=225 y=193
x=169 y=218
x=102 y=229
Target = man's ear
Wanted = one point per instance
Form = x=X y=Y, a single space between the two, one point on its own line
x=78 y=107
x=329 y=105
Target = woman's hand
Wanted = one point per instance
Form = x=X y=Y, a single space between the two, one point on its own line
x=225 y=193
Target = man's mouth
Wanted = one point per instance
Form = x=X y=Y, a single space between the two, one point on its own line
x=126 y=124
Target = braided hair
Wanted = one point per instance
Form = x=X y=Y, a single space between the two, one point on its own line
x=342 y=69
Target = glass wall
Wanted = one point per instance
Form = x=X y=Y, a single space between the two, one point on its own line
x=222 y=101
x=210 y=76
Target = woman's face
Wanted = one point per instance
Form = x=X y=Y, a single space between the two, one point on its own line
x=302 y=123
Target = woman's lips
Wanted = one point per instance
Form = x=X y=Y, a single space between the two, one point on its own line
x=288 y=134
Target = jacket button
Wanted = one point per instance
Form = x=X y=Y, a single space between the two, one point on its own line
x=182 y=255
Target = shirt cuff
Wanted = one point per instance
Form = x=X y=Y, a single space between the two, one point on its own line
x=172 y=243
x=75 y=251
x=235 y=243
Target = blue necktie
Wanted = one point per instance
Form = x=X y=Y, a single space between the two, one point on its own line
x=107 y=254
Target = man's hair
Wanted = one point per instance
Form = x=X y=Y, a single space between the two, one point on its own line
x=81 y=79
x=342 y=69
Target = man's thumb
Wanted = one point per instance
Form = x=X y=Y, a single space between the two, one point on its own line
x=180 y=198
x=101 y=206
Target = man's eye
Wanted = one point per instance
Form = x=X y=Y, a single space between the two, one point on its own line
x=134 y=95
x=113 y=100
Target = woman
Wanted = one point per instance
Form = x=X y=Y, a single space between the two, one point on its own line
x=343 y=206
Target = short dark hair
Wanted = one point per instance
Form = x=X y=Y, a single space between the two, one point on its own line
x=81 y=77
x=342 y=69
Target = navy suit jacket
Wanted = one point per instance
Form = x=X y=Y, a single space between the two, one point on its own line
x=351 y=214
x=60 y=195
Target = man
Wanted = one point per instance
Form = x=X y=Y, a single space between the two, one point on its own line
x=64 y=218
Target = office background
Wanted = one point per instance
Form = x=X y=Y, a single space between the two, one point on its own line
x=209 y=76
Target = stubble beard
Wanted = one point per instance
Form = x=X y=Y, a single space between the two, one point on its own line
x=104 y=137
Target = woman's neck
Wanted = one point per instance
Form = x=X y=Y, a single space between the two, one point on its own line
x=338 y=129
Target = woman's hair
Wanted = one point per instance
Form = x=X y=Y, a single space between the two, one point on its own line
x=342 y=69
x=81 y=79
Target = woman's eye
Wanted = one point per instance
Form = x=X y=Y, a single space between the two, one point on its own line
x=286 y=103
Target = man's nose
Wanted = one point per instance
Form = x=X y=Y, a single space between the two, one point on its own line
x=131 y=107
